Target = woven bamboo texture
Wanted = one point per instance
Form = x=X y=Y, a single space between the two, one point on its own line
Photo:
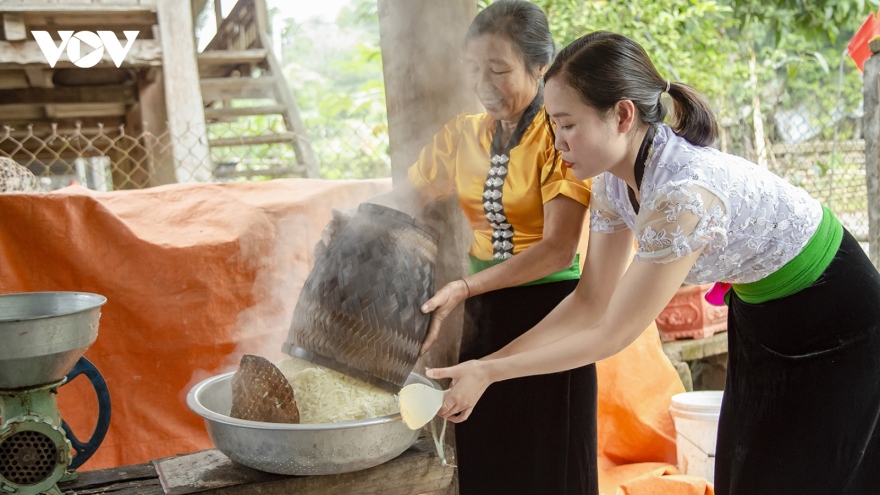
x=358 y=312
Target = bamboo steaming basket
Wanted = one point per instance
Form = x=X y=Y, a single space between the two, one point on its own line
x=359 y=310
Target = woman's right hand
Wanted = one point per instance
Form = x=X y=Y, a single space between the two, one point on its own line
x=333 y=228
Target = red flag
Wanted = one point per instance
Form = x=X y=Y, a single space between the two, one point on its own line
x=858 y=48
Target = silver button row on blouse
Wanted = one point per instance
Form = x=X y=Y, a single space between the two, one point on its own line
x=503 y=235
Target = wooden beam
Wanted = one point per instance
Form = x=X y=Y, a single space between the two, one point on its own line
x=237 y=87
x=14 y=55
x=85 y=94
x=10 y=79
x=218 y=13
x=38 y=77
x=221 y=57
x=13 y=27
x=183 y=94
x=101 y=8
x=85 y=110
x=224 y=113
x=151 y=87
x=280 y=137
x=241 y=14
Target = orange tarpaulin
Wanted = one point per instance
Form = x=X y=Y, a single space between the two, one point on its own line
x=198 y=274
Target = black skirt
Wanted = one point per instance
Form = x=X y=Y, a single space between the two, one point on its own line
x=801 y=407
x=527 y=436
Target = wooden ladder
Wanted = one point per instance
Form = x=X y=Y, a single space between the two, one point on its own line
x=239 y=64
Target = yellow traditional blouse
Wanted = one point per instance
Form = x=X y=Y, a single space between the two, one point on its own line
x=458 y=160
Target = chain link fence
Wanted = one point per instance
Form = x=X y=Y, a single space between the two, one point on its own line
x=108 y=158
x=814 y=142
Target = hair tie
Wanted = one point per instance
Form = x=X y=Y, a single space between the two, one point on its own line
x=668 y=85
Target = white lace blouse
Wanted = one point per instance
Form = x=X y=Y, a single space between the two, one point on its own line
x=751 y=221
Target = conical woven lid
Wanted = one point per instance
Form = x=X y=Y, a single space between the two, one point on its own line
x=359 y=310
x=260 y=392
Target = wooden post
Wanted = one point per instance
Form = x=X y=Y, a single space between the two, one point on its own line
x=183 y=94
x=421 y=42
x=218 y=13
x=871 y=125
x=151 y=95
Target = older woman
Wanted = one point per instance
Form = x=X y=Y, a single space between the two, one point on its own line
x=537 y=434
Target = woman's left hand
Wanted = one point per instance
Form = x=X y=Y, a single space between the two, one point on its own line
x=469 y=380
x=443 y=302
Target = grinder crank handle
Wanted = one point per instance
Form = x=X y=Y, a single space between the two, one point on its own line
x=85 y=450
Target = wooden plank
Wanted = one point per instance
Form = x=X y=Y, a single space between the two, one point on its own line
x=84 y=20
x=140 y=479
x=237 y=87
x=14 y=55
x=416 y=471
x=85 y=110
x=13 y=26
x=253 y=55
x=89 y=94
x=279 y=137
x=78 y=7
x=242 y=13
x=222 y=113
x=871 y=126
x=104 y=477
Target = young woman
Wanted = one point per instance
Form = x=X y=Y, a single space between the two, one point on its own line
x=801 y=408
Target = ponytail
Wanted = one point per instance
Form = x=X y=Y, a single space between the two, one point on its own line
x=604 y=68
x=692 y=119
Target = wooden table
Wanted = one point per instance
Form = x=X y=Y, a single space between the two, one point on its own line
x=418 y=470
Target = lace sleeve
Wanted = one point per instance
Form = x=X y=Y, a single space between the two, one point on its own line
x=678 y=219
x=604 y=217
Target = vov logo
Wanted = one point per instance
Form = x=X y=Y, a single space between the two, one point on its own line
x=74 y=44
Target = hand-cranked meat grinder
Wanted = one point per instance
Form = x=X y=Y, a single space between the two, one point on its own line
x=43 y=336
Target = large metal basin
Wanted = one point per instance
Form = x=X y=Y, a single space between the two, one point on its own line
x=299 y=449
x=43 y=334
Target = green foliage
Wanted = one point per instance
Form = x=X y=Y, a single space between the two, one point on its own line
x=335 y=71
x=796 y=45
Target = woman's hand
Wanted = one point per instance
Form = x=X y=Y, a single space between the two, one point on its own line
x=333 y=228
x=443 y=302
x=469 y=380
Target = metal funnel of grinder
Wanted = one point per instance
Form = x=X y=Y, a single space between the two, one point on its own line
x=44 y=334
x=359 y=310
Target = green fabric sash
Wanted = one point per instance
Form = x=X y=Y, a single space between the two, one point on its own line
x=571 y=273
x=802 y=270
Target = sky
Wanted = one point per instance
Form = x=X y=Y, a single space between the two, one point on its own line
x=302 y=10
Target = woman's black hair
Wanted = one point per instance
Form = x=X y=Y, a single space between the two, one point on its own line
x=524 y=24
x=605 y=68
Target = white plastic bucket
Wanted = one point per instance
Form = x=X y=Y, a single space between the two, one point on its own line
x=695 y=415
